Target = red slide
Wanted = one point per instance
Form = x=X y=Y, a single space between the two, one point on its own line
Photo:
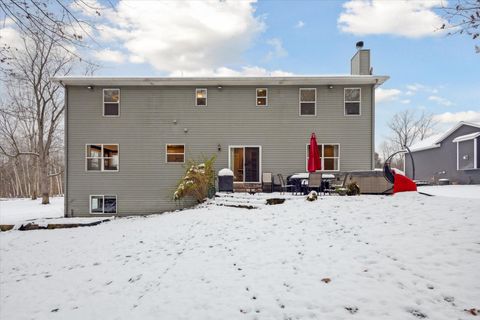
x=403 y=183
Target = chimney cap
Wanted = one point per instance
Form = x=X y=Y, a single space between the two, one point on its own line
x=359 y=45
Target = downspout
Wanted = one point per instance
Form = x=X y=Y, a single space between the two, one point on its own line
x=65 y=150
x=373 y=124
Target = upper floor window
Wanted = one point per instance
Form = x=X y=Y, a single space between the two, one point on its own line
x=262 y=97
x=175 y=153
x=102 y=157
x=352 y=101
x=200 y=97
x=329 y=156
x=308 y=101
x=111 y=102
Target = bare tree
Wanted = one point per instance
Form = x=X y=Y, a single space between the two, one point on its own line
x=68 y=23
x=463 y=18
x=33 y=118
x=59 y=18
x=407 y=128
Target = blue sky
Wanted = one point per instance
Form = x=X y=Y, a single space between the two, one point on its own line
x=429 y=71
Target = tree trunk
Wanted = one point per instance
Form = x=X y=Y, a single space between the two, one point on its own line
x=44 y=180
x=34 y=180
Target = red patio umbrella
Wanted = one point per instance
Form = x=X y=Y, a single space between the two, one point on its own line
x=313 y=156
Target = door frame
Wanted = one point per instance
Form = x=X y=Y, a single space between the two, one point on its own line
x=259 y=164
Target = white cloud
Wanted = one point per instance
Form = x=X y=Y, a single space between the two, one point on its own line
x=278 y=50
x=440 y=100
x=183 y=35
x=10 y=37
x=300 y=24
x=452 y=117
x=405 y=101
x=415 y=87
x=249 y=71
x=385 y=95
x=108 y=55
x=407 y=18
x=136 y=59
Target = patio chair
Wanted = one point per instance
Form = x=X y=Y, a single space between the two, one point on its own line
x=283 y=185
x=330 y=185
x=267 y=182
x=339 y=182
x=315 y=181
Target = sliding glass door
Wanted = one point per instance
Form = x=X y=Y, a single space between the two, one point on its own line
x=245 y=162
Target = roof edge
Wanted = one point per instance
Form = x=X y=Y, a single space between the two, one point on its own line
x=467 y=137
x=455 y=128
x=215 y=81
x=424 y=148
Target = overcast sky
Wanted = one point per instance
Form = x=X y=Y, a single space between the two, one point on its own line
x=429 y=70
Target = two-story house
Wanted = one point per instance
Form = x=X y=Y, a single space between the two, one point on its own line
x=127 y=139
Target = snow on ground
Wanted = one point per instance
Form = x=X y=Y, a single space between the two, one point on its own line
x=407 y=256
x=14 y=211
x=454 y=191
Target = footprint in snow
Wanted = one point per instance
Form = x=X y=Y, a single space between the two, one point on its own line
x=417 y=313
x=351 y=309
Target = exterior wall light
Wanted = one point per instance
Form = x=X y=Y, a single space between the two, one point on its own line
x=219 y=147
x=90 y=87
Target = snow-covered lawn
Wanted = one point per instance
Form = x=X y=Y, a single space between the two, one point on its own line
x=369 y=257
x=14 y=211
x=453 y=191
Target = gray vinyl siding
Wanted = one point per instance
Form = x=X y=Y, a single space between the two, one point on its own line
x=145 y=183
x=441 y=162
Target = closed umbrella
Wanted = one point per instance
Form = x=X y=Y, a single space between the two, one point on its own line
x=313 y=156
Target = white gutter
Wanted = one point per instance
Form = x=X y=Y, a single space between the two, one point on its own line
x=230 y=81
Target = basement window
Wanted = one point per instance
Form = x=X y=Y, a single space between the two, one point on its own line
x=102 y=157
x=175 y=153
x=111 y=102
x=100 y=204
x=262 y=97
x=352 y=101
x=200 y=97
x=308 y=101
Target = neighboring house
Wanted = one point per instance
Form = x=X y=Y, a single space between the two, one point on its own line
x=127 y=139
x=452 y=155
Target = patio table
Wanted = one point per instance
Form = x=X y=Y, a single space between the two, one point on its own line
x=300 y=181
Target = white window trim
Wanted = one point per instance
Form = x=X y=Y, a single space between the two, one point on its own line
x=323 y=158
x=206 y=97
x=300 y=102
x=103 y=103
x=101 y=157
x=256 y=97
x=230 y=147
x=103 y=209
x=475 y=155
x=458 y=160
x=175 y=144
x=359 y=104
